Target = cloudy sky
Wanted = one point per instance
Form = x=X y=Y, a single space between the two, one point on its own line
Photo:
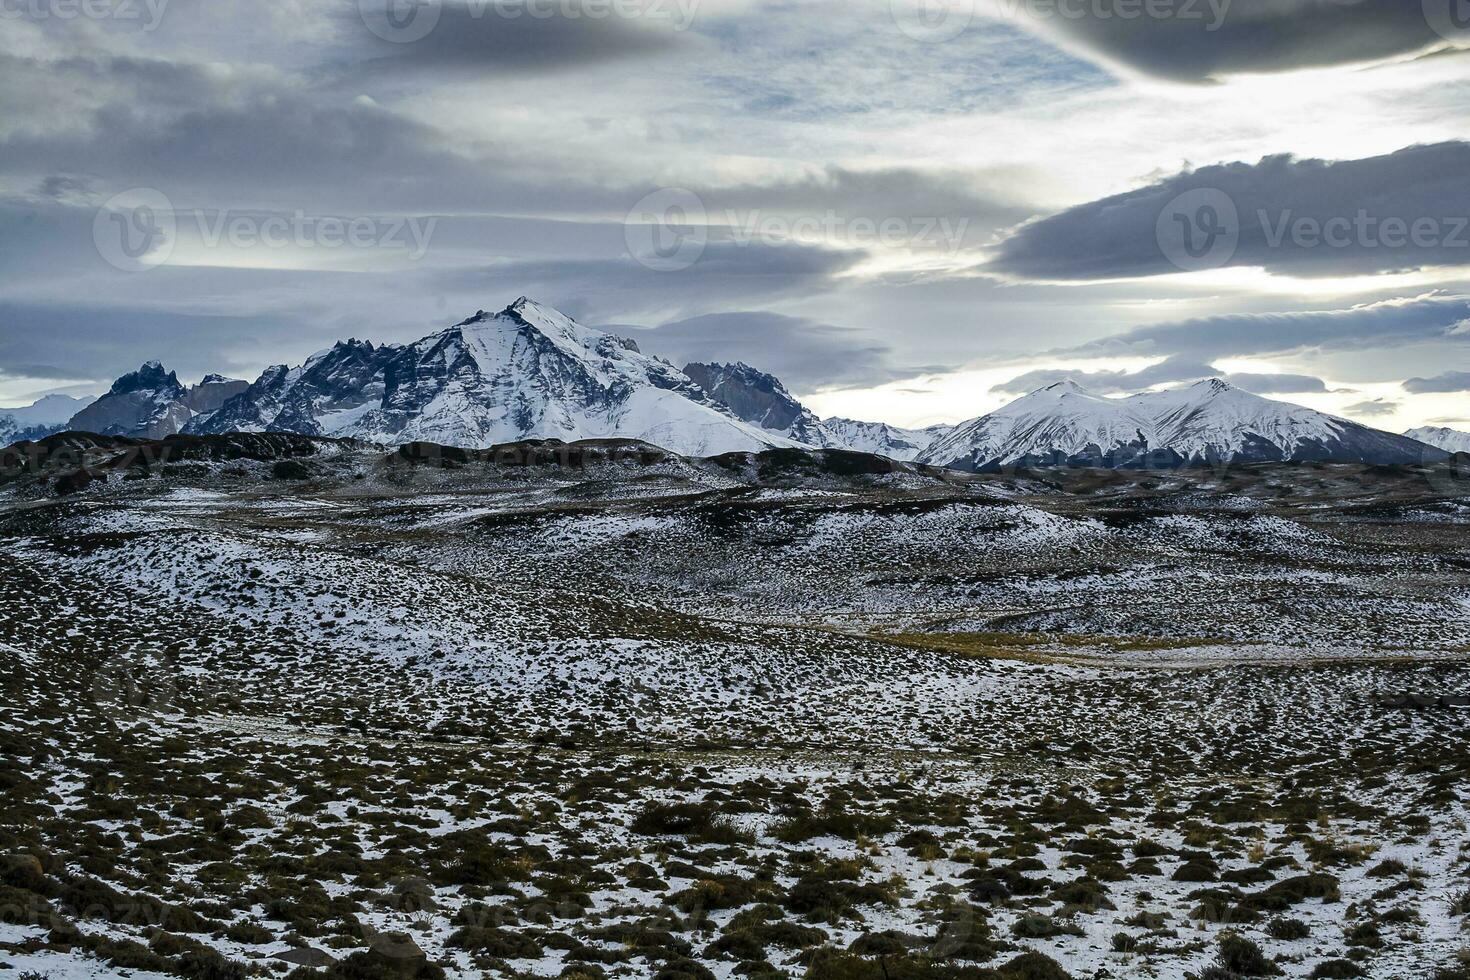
x=911 y=210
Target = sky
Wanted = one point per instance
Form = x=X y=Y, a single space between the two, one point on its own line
x=911 y=211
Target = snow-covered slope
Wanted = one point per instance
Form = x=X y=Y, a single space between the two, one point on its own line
x=1055 y=424
x=1205 y=422
x=39 y=419
x=761 y=399
x=882 y=439
x=1450 y=440
x=526 y=372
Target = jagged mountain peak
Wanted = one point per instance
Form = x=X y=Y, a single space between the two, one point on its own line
x=529 y=371
x=152 y=376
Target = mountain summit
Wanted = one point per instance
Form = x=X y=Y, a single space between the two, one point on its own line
x=1206 y=422
x=151 y=403
x=526 y=372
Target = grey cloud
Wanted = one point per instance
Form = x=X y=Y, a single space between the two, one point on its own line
x=1168 y=371
x=1207 y=40
x=1111 y=382
x=49 y=372
x=726 y=273
x=1447 y=382
x=903 y=193
x=1277 y=201
x=803 y=353
x=484 y=39
x=1277 y=384
x=1373 y=407
x=1391 y=323
x=179 y=128
x=99 y=343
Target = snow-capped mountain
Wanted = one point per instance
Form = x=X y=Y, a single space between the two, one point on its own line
x=1210 y=421
x=1450 y=440
x=151 y=403
x=758 y=398
x=761 y=399
x=882 y=439
x=39 y=419
x=526 y=372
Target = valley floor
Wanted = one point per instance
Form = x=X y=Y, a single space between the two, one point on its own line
x=679 y=720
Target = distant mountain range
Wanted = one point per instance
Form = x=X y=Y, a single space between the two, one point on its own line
x=1210 y=421
x=1450 y=440
x=150 y=403
x=531 y=372
x=41 y=419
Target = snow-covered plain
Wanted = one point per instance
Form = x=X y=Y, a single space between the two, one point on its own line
x=673 y=721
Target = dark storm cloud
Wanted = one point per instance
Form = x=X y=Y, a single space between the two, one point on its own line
x=1169 y=371
x=1404 y=210
x=803 y=353
x=503 y=37
x=1450 y=381
x=1393 y=323
x=1202 y=40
